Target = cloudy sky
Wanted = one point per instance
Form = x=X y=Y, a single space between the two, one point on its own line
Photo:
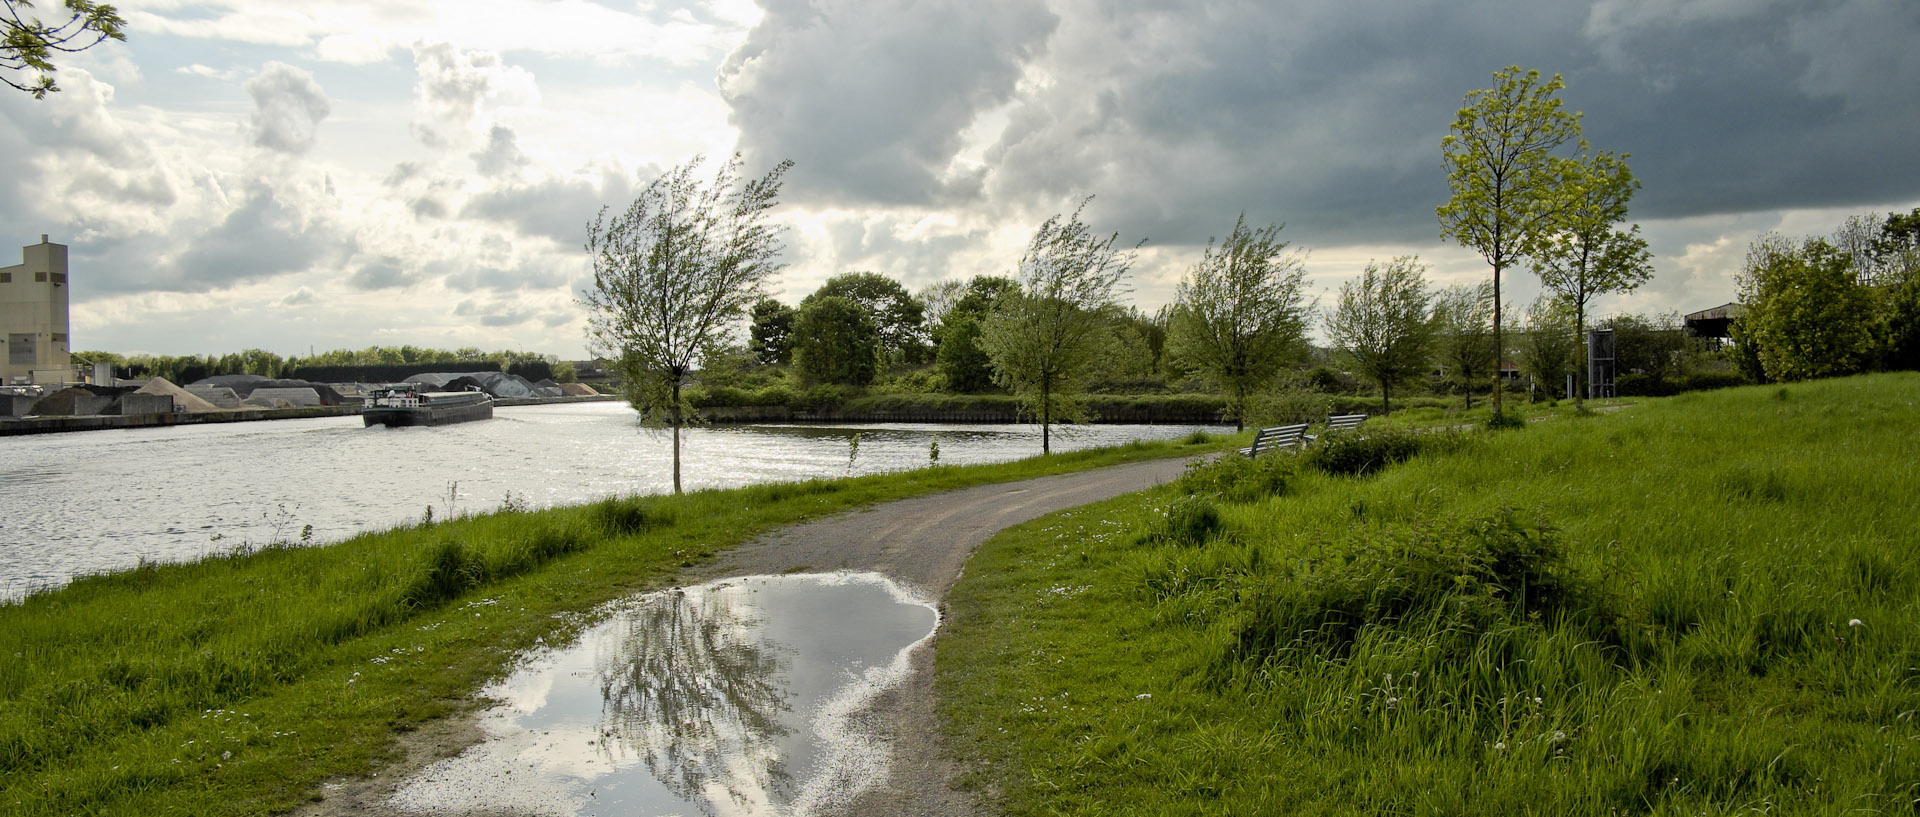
x=319 y=174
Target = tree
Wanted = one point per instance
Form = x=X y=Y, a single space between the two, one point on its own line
x=897 y=315
x=1241 y=313
x=1502 y=173
x=1464 y=314
x=771 y=337
x=1383 y=323
x=1808 y=315
x=961 y=309
x=1650 y=346
x=1042 y=338
x=836 y=340
x=672 y=273
x=1587 y=256
x=30 y=44
x=1547 y=352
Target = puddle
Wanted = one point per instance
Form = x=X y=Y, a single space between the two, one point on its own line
x=732 y=698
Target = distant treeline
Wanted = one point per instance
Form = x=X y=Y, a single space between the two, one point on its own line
x=374 y=364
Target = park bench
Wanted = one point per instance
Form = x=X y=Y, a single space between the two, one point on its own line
x=1338 y=422
x=1267 y=439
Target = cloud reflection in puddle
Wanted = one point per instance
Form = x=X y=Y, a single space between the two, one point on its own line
x=732 y=698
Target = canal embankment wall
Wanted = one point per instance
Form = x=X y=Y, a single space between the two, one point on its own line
x=14 y=426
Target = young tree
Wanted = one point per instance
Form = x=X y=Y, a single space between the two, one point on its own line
x=1241 y=313
x=27 y=43
x=1042 y=338
x=672 y=273
x=1587 y=255
x=1502 y=173
x=1808 y=316
x=1547 y=352
x=1464 y=314
x=1384 y=324
x=836 y=340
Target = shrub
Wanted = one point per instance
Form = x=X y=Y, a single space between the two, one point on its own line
x=1189 y=521
x=1239 y=479
x=1458 y=577
x=1702 y=381
x=1356 y=453
x=1287 y=404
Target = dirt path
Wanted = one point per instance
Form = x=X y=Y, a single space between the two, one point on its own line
x=922 y=542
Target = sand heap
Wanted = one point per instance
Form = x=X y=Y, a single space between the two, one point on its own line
x=182 y=399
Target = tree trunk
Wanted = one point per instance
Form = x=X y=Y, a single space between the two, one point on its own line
x=677 y=420
x=1499 y=346
x=1386 y=400
x=1583 y=372
x=1046 y=416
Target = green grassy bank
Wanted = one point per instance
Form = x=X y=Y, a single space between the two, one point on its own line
x=235 y=685
x=1704 y=604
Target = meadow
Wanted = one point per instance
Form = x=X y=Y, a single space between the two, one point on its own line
x=239 y=683
x=1702 y=604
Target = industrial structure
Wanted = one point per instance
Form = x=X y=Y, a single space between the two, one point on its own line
x=33 y=318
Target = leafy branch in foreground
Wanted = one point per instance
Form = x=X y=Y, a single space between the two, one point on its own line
x=30 y=44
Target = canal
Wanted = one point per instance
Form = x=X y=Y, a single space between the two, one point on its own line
x=89 y=502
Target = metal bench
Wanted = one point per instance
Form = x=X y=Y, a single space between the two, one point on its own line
x=1267 y=439
x=1338 y=422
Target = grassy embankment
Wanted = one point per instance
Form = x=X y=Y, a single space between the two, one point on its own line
x=236 y=684
x=1705 y=604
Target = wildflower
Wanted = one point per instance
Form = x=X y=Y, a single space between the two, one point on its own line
x=1143 y=696
x=1500 y=747
x=1856 y=623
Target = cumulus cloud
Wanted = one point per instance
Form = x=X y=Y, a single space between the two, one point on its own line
x=288 y=107
x=261 y=238
x=453 y=85
x=501 y=155
x=556 y=207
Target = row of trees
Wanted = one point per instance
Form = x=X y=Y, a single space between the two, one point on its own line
x=686 y=260
x=189 y=368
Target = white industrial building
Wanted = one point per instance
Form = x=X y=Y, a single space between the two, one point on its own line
x=33 y=318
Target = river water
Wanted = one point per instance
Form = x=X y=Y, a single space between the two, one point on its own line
x=97 y=501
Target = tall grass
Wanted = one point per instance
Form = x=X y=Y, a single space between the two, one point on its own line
x=1705 y=604
x=234 y=685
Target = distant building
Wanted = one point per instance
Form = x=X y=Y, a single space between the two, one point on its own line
x=33 y=317
x=1713 y=323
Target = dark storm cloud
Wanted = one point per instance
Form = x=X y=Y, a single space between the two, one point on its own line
x=869 y=99
x=1328 y=114
x=287 y=108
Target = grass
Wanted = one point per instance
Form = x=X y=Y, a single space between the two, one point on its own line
x=1648 y=611
x=236 y=684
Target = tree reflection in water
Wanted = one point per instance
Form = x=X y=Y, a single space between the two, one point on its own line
x=691 y=689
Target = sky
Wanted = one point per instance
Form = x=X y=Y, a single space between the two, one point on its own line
x=306 y=175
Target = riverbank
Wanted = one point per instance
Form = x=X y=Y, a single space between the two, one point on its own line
x=15 y=426
x=250 y=678
x=1705 y=604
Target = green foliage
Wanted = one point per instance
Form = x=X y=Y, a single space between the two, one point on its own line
x=1807 y=314
x=1464 y=318
x=960 y=359
x=1587 y=256
x=898 y=318
x=1357 y=453
x=835 y=340
x=1289 y=402
x=1503 y=175
x=771 y=334
x=1239 y=479
x=1463 y=577
x=1191 y=521
x=1043 y=339
x=1242 y=312
x=1384 y=325
x=672 y=273
x=1655 y=346
x=1732 y=628
x=1550 y=348
x=27 y=44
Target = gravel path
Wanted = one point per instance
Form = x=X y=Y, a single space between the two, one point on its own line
x=922 y=542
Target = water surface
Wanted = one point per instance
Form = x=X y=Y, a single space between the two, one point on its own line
x=733 y=698
x=96 y=501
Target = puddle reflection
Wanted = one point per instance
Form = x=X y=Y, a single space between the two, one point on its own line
x=734 y=698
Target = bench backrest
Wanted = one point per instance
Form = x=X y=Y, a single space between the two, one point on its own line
x=1344 y=422
x=1277 y=437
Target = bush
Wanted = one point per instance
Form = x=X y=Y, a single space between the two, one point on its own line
x=1356 y=453
x=1702 y=381
x=1190 y=521
x=1287 y=404
x=1458 y=577
x=1239 y=479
